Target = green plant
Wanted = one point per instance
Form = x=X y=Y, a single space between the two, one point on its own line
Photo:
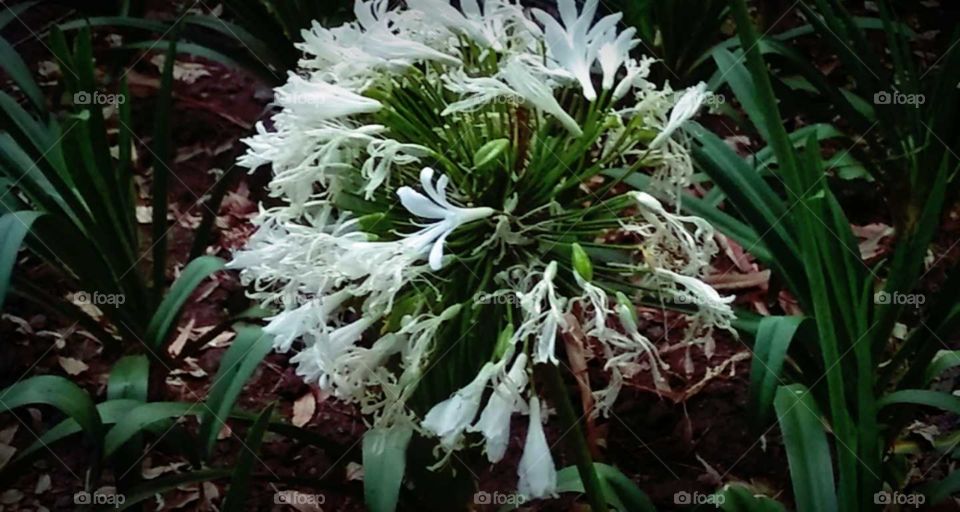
x=260 y=36
x=846 y=370
x=118 y=428
x=71 y=202
x=896 y=115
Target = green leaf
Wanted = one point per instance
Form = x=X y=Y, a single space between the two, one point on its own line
x=129 y=378
x=169 y=310
x=738 y=498
x=18 y=71
x=384 y=463
x=938 y=492
x=12 y=12
x=736 y=74
x=14 y=227
x=943 y=361
x=160 y=150
x=110 y=412
x=249 y=347
x=140 y=418
x=60 y=393
x=118 y=22
x=620 y=492
x=240 y=481
x=769 y=352
x=808 y=453
x=938 y=399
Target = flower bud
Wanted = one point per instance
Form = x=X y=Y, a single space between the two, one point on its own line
x=489 y=152
x=581 y=262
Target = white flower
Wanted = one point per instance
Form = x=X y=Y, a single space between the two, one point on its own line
x=542 y=323
x=613 y=54
x=536 y=91
x=381 y=35
x=685 y=108
x=494 y=422
x=636 y=72
x=315 y=100
x=668 y=240
x=449 y=418
x=318 y=362
x=707 y=299
x=292 y=324
x=538 y=473
x=575 y=45
x=383 y=155
x=476 y=91
x=436 y=206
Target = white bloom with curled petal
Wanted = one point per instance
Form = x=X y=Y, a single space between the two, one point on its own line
x=708 y=300
x=383 y=155
x=679 y=242
x=309 y=317
x=536 y=91
x=542 y=312
x=612 y=55
x=507 y=398
x=475 y=91
x=575 y=45
x=686 y=107
x=314 y=100
x=636 y=73
x=538 y=473
x=435 y=205
x=318 y=362
x=381 y=35
x=450 y=418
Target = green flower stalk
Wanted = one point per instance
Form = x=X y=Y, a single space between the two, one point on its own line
x=438 y=175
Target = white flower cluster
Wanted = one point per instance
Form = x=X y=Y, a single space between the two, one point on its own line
x=341 y=138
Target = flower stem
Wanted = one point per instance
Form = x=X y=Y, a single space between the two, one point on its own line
x=575 y=440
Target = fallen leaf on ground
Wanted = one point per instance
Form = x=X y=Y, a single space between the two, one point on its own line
x=72 y=366
x=151 y=473
x=354 y=472
x=43 y=484
x=871 y=239
x=186 y=72
x=182 y=337
x=10 y=497
x=303 y=409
